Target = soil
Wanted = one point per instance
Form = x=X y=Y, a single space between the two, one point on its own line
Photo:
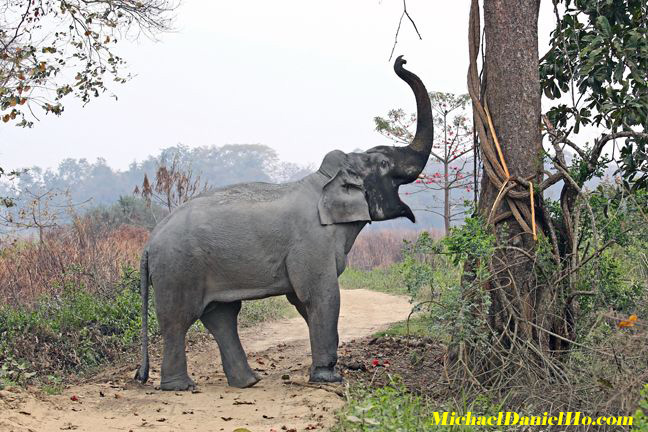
x=282 y=401
x=413 y=362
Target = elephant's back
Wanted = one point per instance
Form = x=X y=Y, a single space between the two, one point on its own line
x=246 y=192
x=243 y=233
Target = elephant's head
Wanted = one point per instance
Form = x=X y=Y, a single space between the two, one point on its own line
x=364 y=186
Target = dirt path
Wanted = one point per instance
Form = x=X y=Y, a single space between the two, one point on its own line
x=279 y=351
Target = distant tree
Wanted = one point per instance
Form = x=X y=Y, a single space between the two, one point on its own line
x=50 y=49
x=451 y=168
x=128 y=210
x=172 y=186
x=217 y=166
x=38 y=211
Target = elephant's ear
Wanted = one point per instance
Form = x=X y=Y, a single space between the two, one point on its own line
x=343 y=199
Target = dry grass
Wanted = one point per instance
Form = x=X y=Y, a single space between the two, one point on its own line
x=380 y=249
x=83 y=254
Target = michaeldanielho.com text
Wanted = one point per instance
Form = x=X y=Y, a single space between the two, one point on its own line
x=513 y=418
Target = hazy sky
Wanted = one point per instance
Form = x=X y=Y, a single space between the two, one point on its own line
x=303 y=77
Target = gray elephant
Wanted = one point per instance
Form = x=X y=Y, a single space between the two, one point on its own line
x=256 y=240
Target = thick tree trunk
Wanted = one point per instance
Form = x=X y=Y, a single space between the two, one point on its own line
x=512 y=96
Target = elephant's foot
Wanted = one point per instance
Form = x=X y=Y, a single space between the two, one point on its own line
x=245 y=381
x=178 y=384
x=325 y=374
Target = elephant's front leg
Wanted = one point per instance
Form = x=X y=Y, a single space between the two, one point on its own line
x=323 y=310
x=221 y=321
x=312 y=273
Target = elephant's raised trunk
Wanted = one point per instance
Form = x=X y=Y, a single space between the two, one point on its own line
x=424 y=137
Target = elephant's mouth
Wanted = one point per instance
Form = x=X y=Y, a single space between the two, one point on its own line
x=406 y=211
x=390 y=209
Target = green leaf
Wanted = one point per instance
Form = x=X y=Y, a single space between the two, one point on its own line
x=603 y=24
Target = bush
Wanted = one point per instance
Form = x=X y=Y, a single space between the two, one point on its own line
x=394 y=408
x=70 y=332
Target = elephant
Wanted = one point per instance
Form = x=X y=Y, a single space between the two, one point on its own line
x=256 y=240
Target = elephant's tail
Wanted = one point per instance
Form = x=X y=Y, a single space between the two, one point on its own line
x=143 y=371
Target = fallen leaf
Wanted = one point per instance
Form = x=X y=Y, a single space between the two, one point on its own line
x=630 y=322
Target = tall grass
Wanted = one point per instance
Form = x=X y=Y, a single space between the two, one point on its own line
x=84 y=254
x=381 y=248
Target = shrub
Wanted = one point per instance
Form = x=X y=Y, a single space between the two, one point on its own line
x=394 y=408
x=70 y=332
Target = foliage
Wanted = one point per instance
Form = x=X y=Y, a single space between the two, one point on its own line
x=415 y=269
x=417 y=326
x=74 y=331
x=394 y=408
x=472 y=240
x=449 y=170
x=51 y=49
x=641 y=416
x=616 y=278
x=598 y=56
x=390 y=408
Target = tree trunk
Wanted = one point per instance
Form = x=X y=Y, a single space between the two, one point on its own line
x=512 y=96
x=446 y=198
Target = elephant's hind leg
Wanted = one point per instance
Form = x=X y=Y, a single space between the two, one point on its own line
x=174 y=361
x=221 y=320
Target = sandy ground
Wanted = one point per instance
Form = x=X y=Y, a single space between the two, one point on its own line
x=282 y=401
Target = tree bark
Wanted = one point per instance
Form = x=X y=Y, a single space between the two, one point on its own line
x=512 y=96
